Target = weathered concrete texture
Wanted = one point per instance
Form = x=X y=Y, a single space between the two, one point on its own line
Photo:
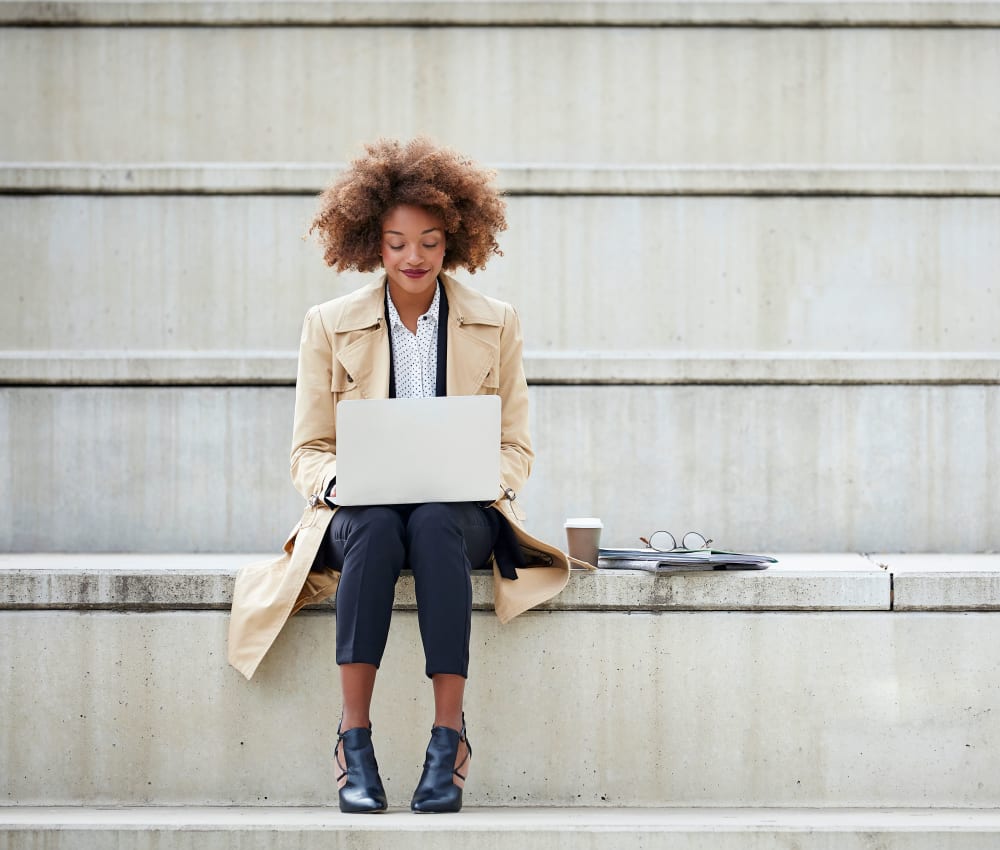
x=630 y=95
x=145 y=582
x=504 y=13
x=192 y=828
x=165 y=470
x=609 y=274
x=302 y=178
x=944 y=582
x=769 y=709
x=197 y=368
x=783 y=468
x=277 y=368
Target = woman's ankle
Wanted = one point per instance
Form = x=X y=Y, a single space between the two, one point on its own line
x=357 y=720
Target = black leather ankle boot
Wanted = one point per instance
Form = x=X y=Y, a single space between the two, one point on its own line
x=363 y=791
x=437 y=791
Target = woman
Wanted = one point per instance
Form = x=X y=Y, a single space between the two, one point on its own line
x=416 y=210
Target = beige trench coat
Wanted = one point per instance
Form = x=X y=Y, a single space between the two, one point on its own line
x=344 y=354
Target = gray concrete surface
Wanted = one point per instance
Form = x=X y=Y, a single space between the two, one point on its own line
x=277 y=368
x=829 y=709
x=199 y=828
x=842 y=708
x=784 y=468
x=942 y=582
x=177 y=582
x=609 y=274
x=504 y=13
x=721 y=95
x=303 y=178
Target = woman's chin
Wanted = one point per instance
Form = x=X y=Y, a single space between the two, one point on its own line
x=413 y=285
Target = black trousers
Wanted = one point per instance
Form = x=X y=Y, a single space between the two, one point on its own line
x=440 y=543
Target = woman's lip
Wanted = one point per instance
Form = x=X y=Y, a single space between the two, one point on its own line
x=415 y=272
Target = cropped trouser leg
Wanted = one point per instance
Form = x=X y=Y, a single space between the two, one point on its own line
x=441 y=543
x=366 y=544
x=444 y=542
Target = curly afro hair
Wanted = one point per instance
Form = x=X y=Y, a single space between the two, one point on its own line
x=417 y=173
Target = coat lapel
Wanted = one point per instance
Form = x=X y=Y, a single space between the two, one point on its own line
x=473 y=349
x=364 y=354
x=366 y=361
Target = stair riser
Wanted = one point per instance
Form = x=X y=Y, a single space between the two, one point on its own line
x=688 y=274
x=578 y=94
x=783 y=468
x=583 y=709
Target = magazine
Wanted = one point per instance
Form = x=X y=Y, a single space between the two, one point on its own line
x=681 y=560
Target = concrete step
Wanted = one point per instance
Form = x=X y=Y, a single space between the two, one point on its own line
x=798 y=582
x=799 y=686
x=655 y=266
x=515 y=179
x=715 y=94
x=151 y=368
x=763 y=466
x=532 y=829
x=502 y=13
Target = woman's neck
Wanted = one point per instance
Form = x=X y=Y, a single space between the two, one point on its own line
x=411 y=305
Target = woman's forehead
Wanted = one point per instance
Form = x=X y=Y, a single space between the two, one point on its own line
x=406 y=218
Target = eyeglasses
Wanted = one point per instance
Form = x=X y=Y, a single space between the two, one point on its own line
x=658 y=540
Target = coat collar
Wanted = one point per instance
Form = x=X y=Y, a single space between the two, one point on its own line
x=473 y=342
x=365 y=307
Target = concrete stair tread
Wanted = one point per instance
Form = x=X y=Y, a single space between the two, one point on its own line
x=610 y=829
x=538 y=178
x=531 y=829
x=328 y=818
x=140 y=581
x=945 y=13
x=274 y=368
x=799 y=581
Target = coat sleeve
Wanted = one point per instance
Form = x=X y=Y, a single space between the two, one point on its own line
x=314 y=432
x=516 y=455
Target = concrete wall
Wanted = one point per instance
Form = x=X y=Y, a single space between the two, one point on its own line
x=679 y=274
x=580 y=94
x=792 y=468
x=718 y=212
x=564 y=709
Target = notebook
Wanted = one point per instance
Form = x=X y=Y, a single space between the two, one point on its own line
x=408 y=450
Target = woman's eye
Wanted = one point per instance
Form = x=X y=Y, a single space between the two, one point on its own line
x=401 y=247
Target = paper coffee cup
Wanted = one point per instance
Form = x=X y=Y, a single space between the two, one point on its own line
x=583 y=537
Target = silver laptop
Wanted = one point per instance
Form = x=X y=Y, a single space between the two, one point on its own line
x=407 y=450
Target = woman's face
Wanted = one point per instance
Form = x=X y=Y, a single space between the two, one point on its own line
x=412 y=248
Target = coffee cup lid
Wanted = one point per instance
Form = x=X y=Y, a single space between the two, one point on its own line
x=584 y=522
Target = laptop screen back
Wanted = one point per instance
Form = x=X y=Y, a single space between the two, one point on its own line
x=411 y=450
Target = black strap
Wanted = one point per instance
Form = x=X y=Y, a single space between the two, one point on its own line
x=441 y=384
x=392 y=359
x=441 y=380
x=506 y=549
